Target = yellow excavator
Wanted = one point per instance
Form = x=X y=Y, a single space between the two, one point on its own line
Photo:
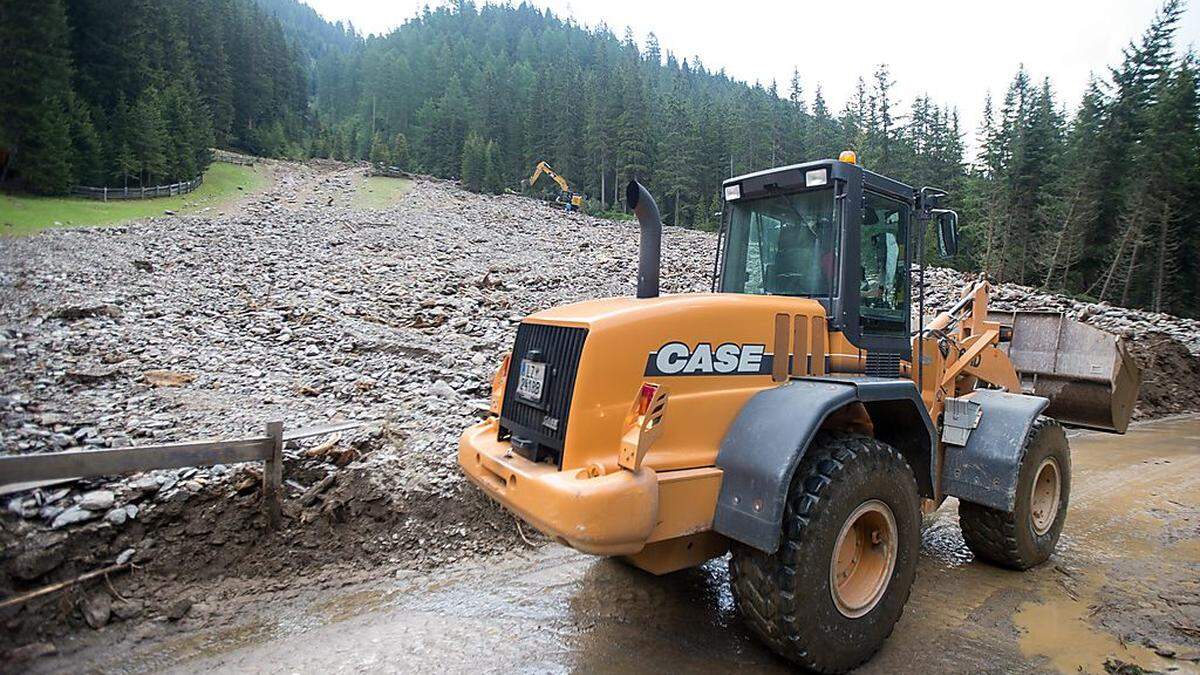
x=795 y=417
x=571 y=200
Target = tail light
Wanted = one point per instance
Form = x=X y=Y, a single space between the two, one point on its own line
x=643 y=425
x=499 y=380
x=645 y=397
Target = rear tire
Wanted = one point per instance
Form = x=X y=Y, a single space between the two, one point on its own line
x=823 y=611
x=1027 y=536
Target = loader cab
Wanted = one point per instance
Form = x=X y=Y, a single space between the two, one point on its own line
x=829 y=231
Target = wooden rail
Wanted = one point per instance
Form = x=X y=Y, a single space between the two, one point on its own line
x=71 y=464
x=107 y=193
x=228 y=157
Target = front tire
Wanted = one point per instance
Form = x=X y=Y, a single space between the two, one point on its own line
x=829 y=597
x=1027 y=536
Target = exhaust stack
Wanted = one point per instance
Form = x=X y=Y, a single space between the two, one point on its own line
x=650 y=243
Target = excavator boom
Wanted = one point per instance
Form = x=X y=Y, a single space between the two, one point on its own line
x=573 y=200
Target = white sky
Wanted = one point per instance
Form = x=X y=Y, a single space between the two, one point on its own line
x=954 y=50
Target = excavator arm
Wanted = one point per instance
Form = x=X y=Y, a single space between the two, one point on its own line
x=573 y=200
x=544 y=168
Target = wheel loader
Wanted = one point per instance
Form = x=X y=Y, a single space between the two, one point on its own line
x=793 y=418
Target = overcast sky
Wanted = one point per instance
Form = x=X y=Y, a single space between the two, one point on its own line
x=954 y=50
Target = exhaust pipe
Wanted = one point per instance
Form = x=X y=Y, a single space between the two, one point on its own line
x=650 y=243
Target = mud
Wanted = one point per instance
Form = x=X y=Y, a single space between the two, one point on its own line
x=1124 y=588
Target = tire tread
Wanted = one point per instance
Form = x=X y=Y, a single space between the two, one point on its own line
x=764 y=584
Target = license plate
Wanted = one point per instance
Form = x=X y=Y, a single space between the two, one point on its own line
x=532 y=380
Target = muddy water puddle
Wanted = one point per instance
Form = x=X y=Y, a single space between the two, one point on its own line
x=1126 y=575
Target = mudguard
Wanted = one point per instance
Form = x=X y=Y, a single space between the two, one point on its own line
x=770 y=435
x=985 y=470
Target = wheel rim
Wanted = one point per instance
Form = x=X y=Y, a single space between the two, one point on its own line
x=863 y=559
x=1044 y=496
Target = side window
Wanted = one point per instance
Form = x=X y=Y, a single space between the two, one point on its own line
x=884 y=260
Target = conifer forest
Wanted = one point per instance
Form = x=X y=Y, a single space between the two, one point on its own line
x=1099 y=200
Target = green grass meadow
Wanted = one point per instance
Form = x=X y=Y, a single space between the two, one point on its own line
x=26 y=214
x=378 y=192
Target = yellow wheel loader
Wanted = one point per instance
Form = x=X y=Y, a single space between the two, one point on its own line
x=793 y=417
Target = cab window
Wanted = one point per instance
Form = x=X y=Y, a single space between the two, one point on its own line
x=781 y=245
x=883 y=257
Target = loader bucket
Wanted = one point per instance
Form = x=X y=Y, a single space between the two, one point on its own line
x=1087 y=373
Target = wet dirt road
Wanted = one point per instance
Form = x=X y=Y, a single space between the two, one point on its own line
x=1124 y=586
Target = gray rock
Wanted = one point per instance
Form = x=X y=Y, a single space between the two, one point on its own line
x=125 y=556
x=128 y=609
x=116 y=516
x=145 y=484
x=49 y=512
x=73 y=515
x=444 y=390
x=97 y=609
x=97 y=500
x=177 y=609
x=34 y=563
x=56 y=495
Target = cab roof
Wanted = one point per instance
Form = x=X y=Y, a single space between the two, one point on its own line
x=792 y=175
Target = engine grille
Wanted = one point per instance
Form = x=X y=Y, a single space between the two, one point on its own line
x=883 y=364
x=537 y=431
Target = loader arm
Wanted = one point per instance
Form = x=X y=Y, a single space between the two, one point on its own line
x=961 y=347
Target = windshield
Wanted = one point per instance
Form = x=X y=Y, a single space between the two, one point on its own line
x=781 y=245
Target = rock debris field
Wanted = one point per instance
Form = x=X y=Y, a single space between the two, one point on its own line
x=293 y=306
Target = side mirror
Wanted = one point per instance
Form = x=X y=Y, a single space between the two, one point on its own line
x=947 y=230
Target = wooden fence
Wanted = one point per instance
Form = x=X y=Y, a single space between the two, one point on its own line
x=107 y=193
x=29 y=471
x=388 y=171
x=231 y=157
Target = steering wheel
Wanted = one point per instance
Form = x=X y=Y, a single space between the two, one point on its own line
x=790 y=281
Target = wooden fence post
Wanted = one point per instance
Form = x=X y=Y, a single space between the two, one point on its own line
x=273 y=476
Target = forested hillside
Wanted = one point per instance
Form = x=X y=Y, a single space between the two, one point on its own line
x=1101 y=201
x=136 y=93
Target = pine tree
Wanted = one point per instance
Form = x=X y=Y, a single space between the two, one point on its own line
x=633 y=128
x=380 y=154
x=493 y=171
x=400 y=151
x=148 y=137
x=678 y=155
x=46 y=166
x=87 y=154
x=35 y=72
x=474 y=162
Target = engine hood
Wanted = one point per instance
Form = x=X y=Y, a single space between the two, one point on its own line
x=710 y=350
x=612 y=312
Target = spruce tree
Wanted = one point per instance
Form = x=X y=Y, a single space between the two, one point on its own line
x=46 y=165
x=148 y=137
x=493 y=172
x=380 y=154
x=400 y=151
x=35 y=72
x=474 y=162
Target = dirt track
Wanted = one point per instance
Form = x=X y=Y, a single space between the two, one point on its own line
x=1123 y=588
